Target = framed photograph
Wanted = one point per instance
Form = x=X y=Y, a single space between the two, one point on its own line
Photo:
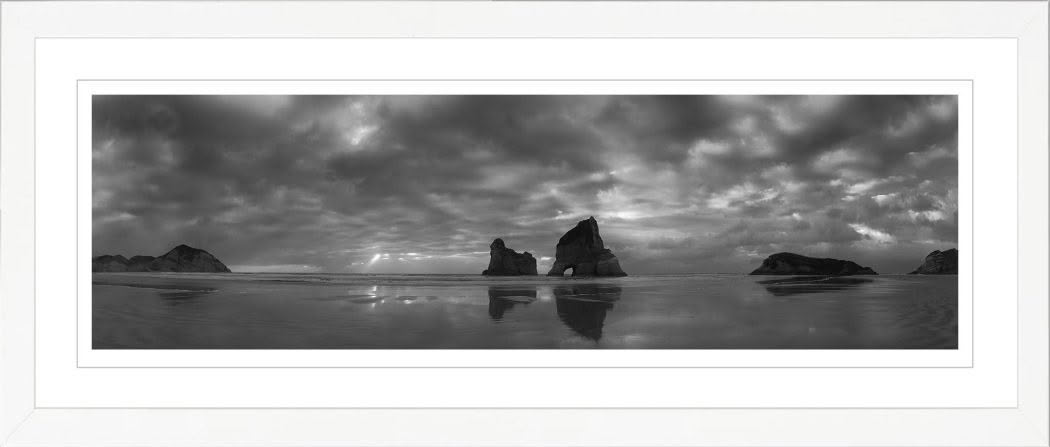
x=472 y=223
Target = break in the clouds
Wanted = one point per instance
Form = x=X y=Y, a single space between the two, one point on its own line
x=423 y=184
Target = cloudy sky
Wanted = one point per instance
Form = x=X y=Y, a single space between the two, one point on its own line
x=423 y=184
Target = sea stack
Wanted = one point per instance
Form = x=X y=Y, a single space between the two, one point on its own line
x=179 y=259
x=939 y=263
x=506 y=262
x=583 y=251
x=794 y=264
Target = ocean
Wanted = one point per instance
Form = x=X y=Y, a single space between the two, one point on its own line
x=344 y=311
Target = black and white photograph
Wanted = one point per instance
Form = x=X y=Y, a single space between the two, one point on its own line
x=524 y=222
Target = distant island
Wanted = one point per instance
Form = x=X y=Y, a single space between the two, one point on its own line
x=795 y=264
x=939 y=263
x=182 y=258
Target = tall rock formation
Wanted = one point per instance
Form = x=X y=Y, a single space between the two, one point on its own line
x=794 y=264
x=582 y=250
x=939 y=263
x=506 y=262
x=179 y=259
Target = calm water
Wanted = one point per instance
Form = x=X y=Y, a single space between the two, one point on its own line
x=185 y=310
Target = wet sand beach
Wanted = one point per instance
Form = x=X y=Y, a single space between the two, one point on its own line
x=318 y=311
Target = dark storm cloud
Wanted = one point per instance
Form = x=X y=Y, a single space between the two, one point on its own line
x=424 y=183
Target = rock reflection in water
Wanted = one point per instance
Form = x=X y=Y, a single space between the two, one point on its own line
x=179 y=297
x=250 y=311
x=812 y=284
x=171 y=294
x=583 y=307
x=501 y=300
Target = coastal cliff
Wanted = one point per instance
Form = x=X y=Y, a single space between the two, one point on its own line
x=182 y=258
x=795 y=264
x=939 y=263
x=506 y=262
x=583 y=250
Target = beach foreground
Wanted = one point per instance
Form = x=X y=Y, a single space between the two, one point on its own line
x=322 y=311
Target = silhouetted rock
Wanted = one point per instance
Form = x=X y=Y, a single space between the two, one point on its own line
x=187 y=259
x=506 y=262
x=582 y=250
x=179 y=259
x=109 y=263
x=139 y=263
x=794 y=264
x=939 y=263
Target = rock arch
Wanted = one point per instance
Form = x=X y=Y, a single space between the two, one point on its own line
x=583 y=250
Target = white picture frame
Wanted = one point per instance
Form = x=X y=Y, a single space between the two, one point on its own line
x=29 y=414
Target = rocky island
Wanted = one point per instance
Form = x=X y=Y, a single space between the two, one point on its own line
x=795 y=264
x=506 y=262
x=939 y=263
x=582 y=250
x=179 y=259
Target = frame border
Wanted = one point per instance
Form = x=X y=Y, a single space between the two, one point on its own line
x=21 y=423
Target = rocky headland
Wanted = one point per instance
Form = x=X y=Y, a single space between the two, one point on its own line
x=139 y=263
x=939 y=263
x=109 y=263
x=582 y=250
x=506 y=262
x=795 y=264
x=179 y=259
